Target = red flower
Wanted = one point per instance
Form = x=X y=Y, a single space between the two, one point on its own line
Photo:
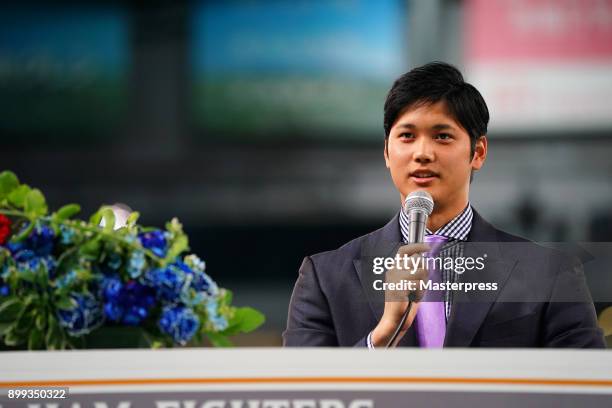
x=5 y=229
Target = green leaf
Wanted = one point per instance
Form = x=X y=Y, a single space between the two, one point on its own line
x=41 y=275
x=156 y=344
x=35 y=339
x=219 y=340
x=4 y=328
x=24 y=322
x=66 y=303
x=11 y=338
x=9 y=309
x=23 y=234
x=8 y=182
x=35 y=205
x=33 y=300
x=109 y=219
x=132 y=219
x=180 y=244
x=174 y=226
x=30 y=299
x=227 y=297
x=246 y=319
x=96 y=217
x=65 y=344
x=18 y=195
x=53 y=336
x=67 y=211
x=91 y=248
x=41 y=321
x=28 y=276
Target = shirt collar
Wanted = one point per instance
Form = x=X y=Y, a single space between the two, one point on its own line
x=456 y=229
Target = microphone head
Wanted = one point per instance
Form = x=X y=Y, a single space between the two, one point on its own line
x=419 y=200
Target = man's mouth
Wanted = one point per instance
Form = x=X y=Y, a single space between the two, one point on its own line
x=423 y=176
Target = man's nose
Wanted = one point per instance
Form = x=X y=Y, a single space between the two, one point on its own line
x=423 y=151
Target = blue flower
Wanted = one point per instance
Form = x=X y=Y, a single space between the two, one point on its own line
x=170 y=282
x=67 y=279
x=200 y=281
x=127 y=303
x=114 y=261
x=212 y=311
x=24 y=255
x=134 y=315
x=138 y=300
x=111 y=287
x=14 y=247
x=179 y=322
x=219 y=323
x=211 y=307
x=41 y=240
x=113 y=311
x=4 y=272
x=155 y=241
x=5 y=290
x=136 y=264
x=35 y=251
x=66 y=235
x=195 y=263
x=82 y=318
x=26 y=260
x=203 y=282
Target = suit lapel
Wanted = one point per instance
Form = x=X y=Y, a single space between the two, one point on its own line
x=470 y=309
x=381 y=243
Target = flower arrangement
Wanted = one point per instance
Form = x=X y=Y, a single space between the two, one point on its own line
x=63 y=278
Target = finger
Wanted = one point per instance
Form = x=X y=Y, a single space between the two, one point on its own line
x=419 y=274
x=411 y=249
x=417 y=295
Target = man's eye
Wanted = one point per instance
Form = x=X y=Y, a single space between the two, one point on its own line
x=406 y=135
x=443 y=136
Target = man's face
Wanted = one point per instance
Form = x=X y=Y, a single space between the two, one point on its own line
x=428 y=150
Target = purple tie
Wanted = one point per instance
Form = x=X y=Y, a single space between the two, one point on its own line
x=431 y=317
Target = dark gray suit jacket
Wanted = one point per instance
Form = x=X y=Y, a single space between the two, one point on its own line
x=333 y=303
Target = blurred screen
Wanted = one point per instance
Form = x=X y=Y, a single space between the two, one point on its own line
x=271 y=70
x=62 y=70
x=542 y=66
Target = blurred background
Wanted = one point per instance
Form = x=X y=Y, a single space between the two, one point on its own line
x=259 y=123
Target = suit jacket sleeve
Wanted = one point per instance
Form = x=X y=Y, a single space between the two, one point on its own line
x=310 y=323
x=570 y=319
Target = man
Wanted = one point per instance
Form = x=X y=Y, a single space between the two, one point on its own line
x=435 y=138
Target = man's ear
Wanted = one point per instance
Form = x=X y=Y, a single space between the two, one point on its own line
x=480 y=153
x=386 y=152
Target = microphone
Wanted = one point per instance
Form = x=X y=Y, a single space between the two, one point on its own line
x=417 y=207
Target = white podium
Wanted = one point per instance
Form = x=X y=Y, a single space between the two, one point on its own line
x=308 y=378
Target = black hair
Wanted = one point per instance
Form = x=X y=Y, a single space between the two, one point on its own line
x=434 y=82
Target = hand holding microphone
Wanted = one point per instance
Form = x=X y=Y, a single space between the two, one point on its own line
x=401 y=306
